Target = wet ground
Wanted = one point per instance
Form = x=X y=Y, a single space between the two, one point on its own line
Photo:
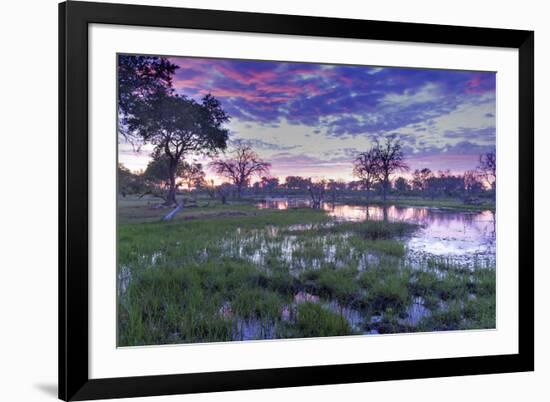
x=463 y=238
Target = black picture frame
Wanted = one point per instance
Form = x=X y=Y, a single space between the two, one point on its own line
x=74 y=18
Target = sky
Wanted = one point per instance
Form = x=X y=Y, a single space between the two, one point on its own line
x=312 y=119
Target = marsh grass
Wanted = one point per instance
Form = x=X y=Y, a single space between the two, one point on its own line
x=314 y=320
x=227 y=277
x=373 y=230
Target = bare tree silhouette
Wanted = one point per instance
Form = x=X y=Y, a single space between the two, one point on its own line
x=241 y=166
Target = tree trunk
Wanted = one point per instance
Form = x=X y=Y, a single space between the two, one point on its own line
x=144 y=194
x=171 y=197
x=172 y=213
x=385 y=189
x=316 y=199
x=368 y=200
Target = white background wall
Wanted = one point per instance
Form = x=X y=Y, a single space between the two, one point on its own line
x=28 y=201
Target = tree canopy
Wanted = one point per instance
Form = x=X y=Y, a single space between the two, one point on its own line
x=391 y=159
x=366 y=167
x=140 y=77
x=241 y=166
x=488 y=168
x=176 y=125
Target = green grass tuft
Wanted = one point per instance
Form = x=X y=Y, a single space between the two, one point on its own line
x=313 y=320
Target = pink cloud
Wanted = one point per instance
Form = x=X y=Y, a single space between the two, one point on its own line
x=247 y=95
x=247 y=78
x=479 y=84
x=345 y=80
x=181 y=83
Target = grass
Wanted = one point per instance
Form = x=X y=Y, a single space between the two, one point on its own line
x=378 y=230
x=148 y=209
x=167 y=305
x=258 y=303
x=314 y=320
x=237 y=267
x=335 y=284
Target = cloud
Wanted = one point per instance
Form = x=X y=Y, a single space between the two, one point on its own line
x=310 y=115
x=264 y=145
x=486 y=134
x=302 y=93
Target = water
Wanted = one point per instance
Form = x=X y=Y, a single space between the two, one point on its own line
x=260 y=245
x=463 y=236
x=252 y=328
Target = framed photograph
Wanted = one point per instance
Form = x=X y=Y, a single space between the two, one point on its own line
x=258 y=201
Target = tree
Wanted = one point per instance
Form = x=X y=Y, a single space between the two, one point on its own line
x=401 y=185
x=451 y=185
x=269 y=184
x=390 y=160
x=367 y=168
x=472 y=185
x=177 y=126
x=256 y=188
x=354 y=185
x=210 y=189
x=488 y=169
x=140 y=77
x=334 y=187
x=224 y=190
x=420 y=179
x=157 y=174
x=193 y=176
x=130 y=183
x=434 y=186
x=241 y=166
x=157 y=171
x=297 y=183
x=317 y=193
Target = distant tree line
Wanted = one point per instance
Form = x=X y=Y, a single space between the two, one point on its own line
x=375 y=167
x=247 y=175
